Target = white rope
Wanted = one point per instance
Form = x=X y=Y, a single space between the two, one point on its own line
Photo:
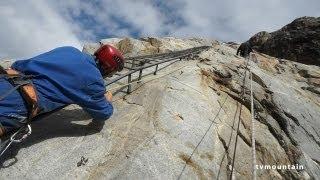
x=254 y=160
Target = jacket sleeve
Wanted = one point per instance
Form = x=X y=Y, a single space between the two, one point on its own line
x=100 y=110
x=95 y=103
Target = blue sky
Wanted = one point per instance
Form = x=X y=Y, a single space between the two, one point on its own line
x=34 y=26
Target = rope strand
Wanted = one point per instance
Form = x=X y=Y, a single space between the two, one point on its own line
x=254 y=160
x=185 y=165
x=239 y=119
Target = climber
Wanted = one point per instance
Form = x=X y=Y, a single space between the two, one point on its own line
x=244 y=49
x=54 y=80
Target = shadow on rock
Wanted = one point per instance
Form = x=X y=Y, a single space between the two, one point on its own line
x=58 y=124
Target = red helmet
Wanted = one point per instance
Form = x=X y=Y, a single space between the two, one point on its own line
x=110 y=59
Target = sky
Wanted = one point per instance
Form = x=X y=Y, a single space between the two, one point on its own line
x=32 y=27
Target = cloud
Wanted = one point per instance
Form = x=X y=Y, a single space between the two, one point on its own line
x=31 y=27
x=230 y=20
x=34 y=26
x=115 y=18
x=226 y=20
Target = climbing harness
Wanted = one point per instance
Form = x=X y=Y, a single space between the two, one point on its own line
x=23 y=84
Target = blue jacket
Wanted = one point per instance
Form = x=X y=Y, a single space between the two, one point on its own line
x=62 y=76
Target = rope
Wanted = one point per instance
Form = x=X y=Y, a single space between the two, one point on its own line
x=254 y=160
x=233 y=124
x=185 y=165
x=238 y=127
x=179 y=177
x=229 y=142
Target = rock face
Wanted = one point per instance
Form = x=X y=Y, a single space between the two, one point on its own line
x=192 y=108
x=148 y=45
x=298 y=41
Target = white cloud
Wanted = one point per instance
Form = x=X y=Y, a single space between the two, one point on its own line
x=142 y=15
x=115 y=17
x=238 y=20
x=31 y=27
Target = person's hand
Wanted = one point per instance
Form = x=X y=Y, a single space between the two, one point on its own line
x=108 y=96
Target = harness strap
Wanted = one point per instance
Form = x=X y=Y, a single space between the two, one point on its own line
x=11 y=91
x=24 y=84
x=32 y=99
x=27 y=90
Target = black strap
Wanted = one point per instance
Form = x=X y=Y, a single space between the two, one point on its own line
x=12 y=90
x=18 y=81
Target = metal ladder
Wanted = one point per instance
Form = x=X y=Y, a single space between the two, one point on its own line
x=138 y=64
